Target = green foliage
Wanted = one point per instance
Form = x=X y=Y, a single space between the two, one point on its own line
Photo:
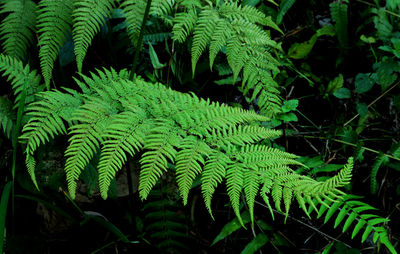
x=54 y=26
x=122 y=117
x=16 y=30
x=164 y=225
x=89 y=16
x=351 y=210
x=339 y=15
x=237 y=31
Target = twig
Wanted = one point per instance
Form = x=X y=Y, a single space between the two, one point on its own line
x=304 y=224
x=372 y=103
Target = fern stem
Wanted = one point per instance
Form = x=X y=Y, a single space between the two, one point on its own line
x=140 y=40
x=387 y=11
x=305 y=224
x=372 y=103
x=354 y=145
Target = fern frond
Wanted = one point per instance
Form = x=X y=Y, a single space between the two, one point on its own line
x=47 y=118
x=54 y=26
x=234 y=184
x=88 y=17
x=251 y=184
x=16 y=30
x=162 y=8
x=134 y=13
x=351 y=210
x=222 y=32
x=31 y=165
x=205 y=25
x=339 y=15
x=94 y=116
x=160 y=143
x=188 y=163
x=234 y=11
x=213 y=173
x=125 y=134
x=381 y=160
x=7 y=116
x=184 y=23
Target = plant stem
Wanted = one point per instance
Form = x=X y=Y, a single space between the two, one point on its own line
x=354 y=145
x=140 y=40
x=370 y=4
x=372 y=103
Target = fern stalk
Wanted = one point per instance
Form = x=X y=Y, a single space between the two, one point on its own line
x=140 y=40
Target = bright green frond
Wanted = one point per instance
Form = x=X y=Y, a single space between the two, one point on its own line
x=31 y=165
x=222 y=32
x=16 y=30
x=47 y=118
x=160 y=145
x=251 y=184
x=189 y=161
x=213 y=174
x=234 y=184
x=20 y=77
x=54 y=26
x=184 y=23
x=86 y=136
x=125 y=134
x=88 y=17
x=162 y=8
x=205 y=26
x=134 y=12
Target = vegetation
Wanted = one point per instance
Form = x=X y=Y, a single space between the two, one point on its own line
x=294 y=110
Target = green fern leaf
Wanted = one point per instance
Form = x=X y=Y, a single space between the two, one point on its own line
x=381 y=160
x=339 y=15
x=160 y=144
x=54 y=26
x=213 y=173
x=31 y=165
x=88 y=17
x=17 y=29
x=124 y=135
x=234 y=183
x=7 y=116
x=134 y=12
x=284 y=7
x=205 y=25
x=184 y=23
x=251 y=184
x=21 y=78
x=222 y=32
x=94 y=117
x=188 y=163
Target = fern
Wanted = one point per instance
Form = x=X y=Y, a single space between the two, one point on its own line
x=381 y=160
x=54 y=26
x=134 y=12
x=235 y=30
x=351 y=211
x=284 y=7
x=88 y=17
x=164 y=224
x=118 y=116
x=339 y=15
x=16 y=30
x=7 y=116
x=22 y=79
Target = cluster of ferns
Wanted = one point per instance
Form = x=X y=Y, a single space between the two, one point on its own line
x=117 y=117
